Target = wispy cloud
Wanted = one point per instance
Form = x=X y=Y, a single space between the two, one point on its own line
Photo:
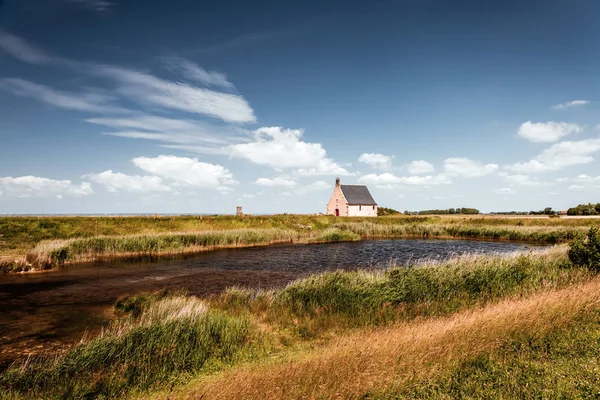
x=22 y=50
x=170 y=130
x=87 y=100
x=193 y=72
x=147 y=89
x=570 y=104
x=96 y=5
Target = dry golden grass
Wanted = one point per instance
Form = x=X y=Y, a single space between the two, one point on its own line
x=387 y=358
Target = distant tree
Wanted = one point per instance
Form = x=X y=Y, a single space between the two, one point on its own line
x=381 y=211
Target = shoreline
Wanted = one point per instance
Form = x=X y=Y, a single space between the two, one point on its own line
x=142 y=256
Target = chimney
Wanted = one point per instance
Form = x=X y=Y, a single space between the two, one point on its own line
x=337 y=181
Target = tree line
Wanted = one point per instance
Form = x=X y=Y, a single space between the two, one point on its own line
x=462 y=210
x=585 y=209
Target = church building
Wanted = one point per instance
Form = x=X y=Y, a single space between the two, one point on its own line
x=351 y=201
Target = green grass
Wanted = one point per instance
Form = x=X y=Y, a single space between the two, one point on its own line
x=20 y=234
x=170 y=338
x=560 y=364
x=106 y=247
x=167 y=339
x=340 y=300
x=156 y=238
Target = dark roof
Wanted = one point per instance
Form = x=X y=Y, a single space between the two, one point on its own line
x=357 y=195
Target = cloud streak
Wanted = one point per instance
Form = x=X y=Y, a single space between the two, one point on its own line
x=570 y=104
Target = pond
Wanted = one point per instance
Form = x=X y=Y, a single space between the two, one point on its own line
x=44 y=311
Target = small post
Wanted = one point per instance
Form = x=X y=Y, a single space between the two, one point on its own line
x=238 y=211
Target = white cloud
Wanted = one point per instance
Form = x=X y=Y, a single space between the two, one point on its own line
x=116 y=182
x=169 y=130
x=282 y=148
x=426 y=180
x=145 y=88
x=22 y=50
x=570 y=104
x=381 y=179
x=576 y=188
x=184 y=171
x=583 y=178
x=420 y=167
x=148 y=89
x=277 y=181
x=314 y=186
x=92 y=101
x=560 y=155
x=467 y=168
x=522 y=179
x=376 y=160
x=195 y=73
x=28 y=186
x=387 y=178
x=547 y=132
x=504 y=191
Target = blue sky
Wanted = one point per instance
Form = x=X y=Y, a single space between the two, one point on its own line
x=120 y=106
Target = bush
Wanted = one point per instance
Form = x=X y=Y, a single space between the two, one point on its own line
x=585 y=251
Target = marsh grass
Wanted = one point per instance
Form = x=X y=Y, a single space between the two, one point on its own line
x=390 y=361
x=539 y=234
x=18 y=235
x=340 y=300
x=47 y=254
x=560 y=363
x=170 y=338
x=58 y=252
x=166 y=338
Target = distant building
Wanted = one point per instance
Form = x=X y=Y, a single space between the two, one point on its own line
x=238 y=211
x=351 y=201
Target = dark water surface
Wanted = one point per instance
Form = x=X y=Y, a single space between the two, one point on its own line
x=46 y=310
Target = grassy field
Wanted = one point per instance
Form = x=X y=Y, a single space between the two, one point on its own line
x=434 y=330
x=43 y=242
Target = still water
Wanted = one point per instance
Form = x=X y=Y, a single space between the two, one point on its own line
x=46 y=310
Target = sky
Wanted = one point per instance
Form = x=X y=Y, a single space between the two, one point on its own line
x=138 y=106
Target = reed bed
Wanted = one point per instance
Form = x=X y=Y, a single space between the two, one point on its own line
x=58 y=252
x=18 y=235
x=167 y=339
x=172 y=338
x=539 y=234
x=334 y=301
x=367 y=362
x=47 y=254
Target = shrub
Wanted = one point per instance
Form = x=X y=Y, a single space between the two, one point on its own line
x=585 y=251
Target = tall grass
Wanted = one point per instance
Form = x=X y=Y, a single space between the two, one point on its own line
x=56 y=252
x=20 y=234
x=339 y=300
x=172 y=337
x=108 y=247
x=383 y=362
x=168 y=338
x=541 y=234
